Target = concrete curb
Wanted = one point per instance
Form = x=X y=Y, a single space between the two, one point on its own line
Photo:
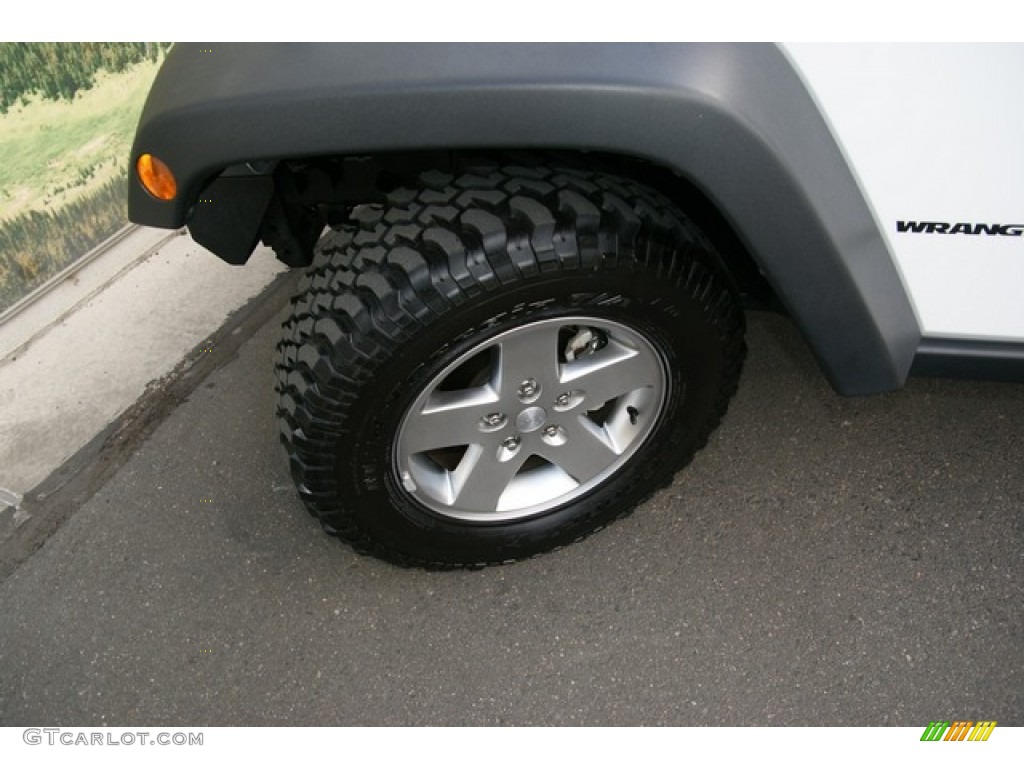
x=80 y=351
x=76 y=284
x=73 y=268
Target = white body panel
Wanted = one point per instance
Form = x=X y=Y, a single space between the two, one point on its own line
x=936 y=133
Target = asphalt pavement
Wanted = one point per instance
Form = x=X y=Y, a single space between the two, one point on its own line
x=824 y=561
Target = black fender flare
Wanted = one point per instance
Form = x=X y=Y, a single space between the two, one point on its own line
x=735 y=120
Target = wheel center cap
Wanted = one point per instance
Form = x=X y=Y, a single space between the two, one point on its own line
x=531 y=419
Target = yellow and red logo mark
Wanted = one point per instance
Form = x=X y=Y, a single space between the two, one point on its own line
x=958 y=730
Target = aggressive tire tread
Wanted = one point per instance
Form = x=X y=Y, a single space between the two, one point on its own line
x=395 y=269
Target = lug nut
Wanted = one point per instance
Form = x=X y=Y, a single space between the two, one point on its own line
x=528 y=388
x=563 y=399
x=493 y=419
x=510 y=443
x=554 y=435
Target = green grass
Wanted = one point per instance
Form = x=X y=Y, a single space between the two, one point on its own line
x=36 y=245
x=58 y=151
x=63 y=177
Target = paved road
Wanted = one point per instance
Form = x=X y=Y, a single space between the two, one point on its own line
x=825 y=561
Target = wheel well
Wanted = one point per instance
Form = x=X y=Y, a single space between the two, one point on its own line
x=755 y=289
x=315 y=192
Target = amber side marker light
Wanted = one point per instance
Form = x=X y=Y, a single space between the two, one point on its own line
x=156 y=177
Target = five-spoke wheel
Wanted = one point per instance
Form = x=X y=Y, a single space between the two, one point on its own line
x=530 y=419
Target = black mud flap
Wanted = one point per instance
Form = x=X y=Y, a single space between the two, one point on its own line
x=227 y=216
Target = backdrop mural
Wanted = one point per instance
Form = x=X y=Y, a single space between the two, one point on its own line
x=67 y=117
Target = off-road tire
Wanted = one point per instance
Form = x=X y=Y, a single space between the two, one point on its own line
x=445 y=266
